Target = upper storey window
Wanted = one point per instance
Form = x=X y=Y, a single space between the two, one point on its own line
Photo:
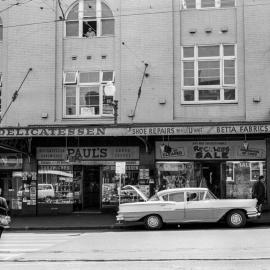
x=200 y=4
x=89 y=18
x=1 y=29
x=209 y=74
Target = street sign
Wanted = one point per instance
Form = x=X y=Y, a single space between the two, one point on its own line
x=120 y=167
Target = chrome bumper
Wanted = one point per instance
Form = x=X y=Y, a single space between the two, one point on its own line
x=253 y=214
x=120 y=218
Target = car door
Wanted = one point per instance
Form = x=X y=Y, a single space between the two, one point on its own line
x=197 y=208
x=176 y=211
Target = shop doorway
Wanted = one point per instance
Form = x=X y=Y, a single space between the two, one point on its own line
x=211 y=173
x=91 y=187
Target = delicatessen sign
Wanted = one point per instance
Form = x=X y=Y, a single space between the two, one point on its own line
x=210 y=150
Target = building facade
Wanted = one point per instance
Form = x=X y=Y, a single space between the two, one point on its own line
x=177 y=89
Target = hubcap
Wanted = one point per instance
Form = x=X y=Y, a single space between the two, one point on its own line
x=153 y=222
x=236 y=219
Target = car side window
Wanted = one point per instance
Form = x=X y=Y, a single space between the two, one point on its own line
x=176 y=197
x=195 y=196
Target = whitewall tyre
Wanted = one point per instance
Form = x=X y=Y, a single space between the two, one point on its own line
x=236 y=219
x=153 y=222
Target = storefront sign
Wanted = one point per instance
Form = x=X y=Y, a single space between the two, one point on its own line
x=120 y=167
x=9 y=161
x=133 y=131
x=81 y=154
x=211 y=150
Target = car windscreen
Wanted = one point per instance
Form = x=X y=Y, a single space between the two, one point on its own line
x=154 y=198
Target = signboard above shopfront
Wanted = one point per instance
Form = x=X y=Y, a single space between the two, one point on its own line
x=82 y=154
x=211 y=150
x=133 y=131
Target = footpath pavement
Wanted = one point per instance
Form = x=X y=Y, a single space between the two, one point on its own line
x=90 y=221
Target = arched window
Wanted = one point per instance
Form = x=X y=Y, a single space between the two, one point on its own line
x=1 y=29
x=89 y=18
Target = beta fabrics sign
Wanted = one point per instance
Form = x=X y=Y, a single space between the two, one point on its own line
x=211 y=150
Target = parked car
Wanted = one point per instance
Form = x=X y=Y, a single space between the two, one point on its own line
x=45 y=192
x=184 y=205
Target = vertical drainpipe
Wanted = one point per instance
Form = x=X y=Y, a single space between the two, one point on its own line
x=55 y=60
x=173 y=60
x=244 y=60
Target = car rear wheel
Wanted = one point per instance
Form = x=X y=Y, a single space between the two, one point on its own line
x=236 y=219
x=153 y=222
x=48 y=199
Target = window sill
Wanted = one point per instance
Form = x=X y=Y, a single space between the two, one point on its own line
x=94 y=117
x=89 y=38
x=209 y=102
x=207 y=9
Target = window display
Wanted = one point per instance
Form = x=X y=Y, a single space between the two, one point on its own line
x=240 y=177
x=110 y=185
x=176 y=174
x=55 y=184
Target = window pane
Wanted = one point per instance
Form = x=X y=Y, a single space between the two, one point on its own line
x=188 y=52
x=74 y=13
x=176 y=197
x=189 y=3
x=70 y=77
x=228 y=50
x=72 y=29
x=208 y=51
x=209 y=73
x=107 y=27
x=1 y=32
x=205 y=95
x=70 y=100
x=89 y=77
x=89 y=28
x=188 y=73
x=89 y=100
x=229 y=72
x=106 y=12
x=107 y=76
x=229 y=94
x=227 y=3
x=189 y=95
x=89 y=9
x=207 y=3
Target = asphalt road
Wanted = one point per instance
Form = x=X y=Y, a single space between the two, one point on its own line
x=173 y=248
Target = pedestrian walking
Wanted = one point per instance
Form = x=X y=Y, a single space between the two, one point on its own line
x=258 y=192
x=3 y=210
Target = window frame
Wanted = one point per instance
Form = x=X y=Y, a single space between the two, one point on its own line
x=82 y=19
x=196 y=87
x=100 y=84
x=198 y=4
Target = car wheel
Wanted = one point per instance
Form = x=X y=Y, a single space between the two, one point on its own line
x=236 y=219
x=153 y=222
x=48 y=199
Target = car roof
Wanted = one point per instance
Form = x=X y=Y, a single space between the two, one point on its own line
x=180 y=189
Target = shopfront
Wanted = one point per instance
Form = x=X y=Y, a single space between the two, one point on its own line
x=228 y=168
x=82 y=178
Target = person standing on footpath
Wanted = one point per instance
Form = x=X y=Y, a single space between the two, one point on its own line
x=3 y=210
x=258 y=192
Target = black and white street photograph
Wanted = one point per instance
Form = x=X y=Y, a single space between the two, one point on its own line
x=135 y=134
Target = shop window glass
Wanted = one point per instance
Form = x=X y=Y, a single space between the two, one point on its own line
x=241 y=176
x=227 y=3
x=55 y=184
x=207 y=3
x=189 y=75
x=111 y=188
x=176 y=174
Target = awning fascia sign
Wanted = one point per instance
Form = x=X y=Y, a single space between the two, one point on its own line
x=103 y=131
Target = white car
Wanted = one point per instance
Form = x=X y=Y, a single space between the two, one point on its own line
x=45 y=192
x=183 y=205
